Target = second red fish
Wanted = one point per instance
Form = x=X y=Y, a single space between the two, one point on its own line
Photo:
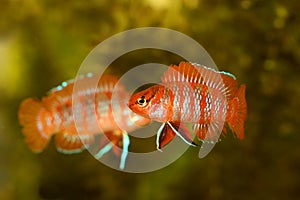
x=54 y=114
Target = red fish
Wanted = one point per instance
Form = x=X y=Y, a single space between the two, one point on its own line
x=192 y=93
x=54 y=115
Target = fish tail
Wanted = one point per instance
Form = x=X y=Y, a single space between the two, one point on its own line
x=31 y=114
x=237 y=114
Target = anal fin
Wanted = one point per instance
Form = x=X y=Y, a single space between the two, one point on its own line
x=72 y=143
x=209 y=134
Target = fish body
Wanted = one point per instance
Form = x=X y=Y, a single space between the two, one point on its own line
x=95 y=113
x=195 y=94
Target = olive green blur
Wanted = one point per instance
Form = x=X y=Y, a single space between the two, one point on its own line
x=43 y=43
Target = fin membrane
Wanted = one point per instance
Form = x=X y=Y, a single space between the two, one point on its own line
x=167 y=132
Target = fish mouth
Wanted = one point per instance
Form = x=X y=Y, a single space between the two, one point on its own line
x=130 y=105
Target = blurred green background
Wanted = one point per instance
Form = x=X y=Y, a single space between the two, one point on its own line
x=43 y=43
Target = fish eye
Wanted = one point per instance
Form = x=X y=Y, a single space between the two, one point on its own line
x=141 y=101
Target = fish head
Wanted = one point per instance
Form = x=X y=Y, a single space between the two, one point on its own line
x=143 y=101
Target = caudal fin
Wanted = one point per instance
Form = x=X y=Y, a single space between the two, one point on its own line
x=30 y=115
x=238 y=112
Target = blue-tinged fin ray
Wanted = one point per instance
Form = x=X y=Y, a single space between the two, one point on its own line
x=126 y=142
x=103 y=151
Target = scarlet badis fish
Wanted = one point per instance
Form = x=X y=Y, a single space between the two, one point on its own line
x=53 y=115
x=195 y=94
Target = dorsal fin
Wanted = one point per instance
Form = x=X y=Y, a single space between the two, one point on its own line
x=62 y=94
x=199 y=74
x=105 y=83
